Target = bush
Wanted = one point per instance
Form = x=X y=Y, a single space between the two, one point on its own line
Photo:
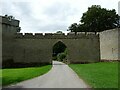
x=54 y=58
x=61 y=56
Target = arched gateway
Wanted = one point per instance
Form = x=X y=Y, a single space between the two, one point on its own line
x=38 y=48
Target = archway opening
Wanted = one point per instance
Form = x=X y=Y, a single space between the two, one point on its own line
x=59 y=52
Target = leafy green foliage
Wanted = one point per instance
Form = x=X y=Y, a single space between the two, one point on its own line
x=73 y=28
x=96 y=19
x=59 y=47
x=20 y=74
x=0 y=76
x=62 y=55
x=98 y=75
x=99 y=19
x=59 y=32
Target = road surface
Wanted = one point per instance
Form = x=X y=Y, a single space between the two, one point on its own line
x=60 y=76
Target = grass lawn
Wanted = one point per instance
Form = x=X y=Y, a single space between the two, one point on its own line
x=20 y=74
x=98 y=75
x=0 y=77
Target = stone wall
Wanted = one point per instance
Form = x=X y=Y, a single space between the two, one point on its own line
x=9 y=29
x=110 y=44
x=38 y=47
x=119 y=44
x=0 y=42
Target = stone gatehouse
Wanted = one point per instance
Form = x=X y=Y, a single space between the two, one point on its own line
x=29 y=48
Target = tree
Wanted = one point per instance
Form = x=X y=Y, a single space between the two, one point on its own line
x=59 y=47
x=73 y=28
x=61 y=56
x=9 y=17
x=83 y=28
x=99 y=19
x=119 y=22
x=96 y=19
x=78 y=28
x=59 y=32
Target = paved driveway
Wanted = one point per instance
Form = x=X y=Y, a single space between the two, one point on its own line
x=60 y=76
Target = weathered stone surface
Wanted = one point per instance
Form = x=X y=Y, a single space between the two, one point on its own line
x=110 y=44
x=38 y=48
x=9 y=29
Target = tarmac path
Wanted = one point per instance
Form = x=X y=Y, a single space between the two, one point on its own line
x=60 y=76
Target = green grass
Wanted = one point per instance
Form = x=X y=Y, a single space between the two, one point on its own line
x=20 y=74
x=0 y=77
x=98 y=75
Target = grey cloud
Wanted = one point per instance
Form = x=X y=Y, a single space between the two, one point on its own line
x=119 y=8
x=46 y=28
x=16 y=9
x=56 y=14
x=52 y=27
x=56 y=27
x=60 y=10
x=26 y=18
x=23 y=7
x=6 y=8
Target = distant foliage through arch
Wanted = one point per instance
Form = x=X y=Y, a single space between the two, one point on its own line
x=59 y=47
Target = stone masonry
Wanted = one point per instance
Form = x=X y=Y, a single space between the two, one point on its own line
x=38 y=48
x=110 y=44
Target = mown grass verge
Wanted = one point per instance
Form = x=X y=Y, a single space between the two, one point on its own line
x=98 y=75
x=0 y=77
x=20 y=74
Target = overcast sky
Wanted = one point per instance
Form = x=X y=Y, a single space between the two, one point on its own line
x=45 y=16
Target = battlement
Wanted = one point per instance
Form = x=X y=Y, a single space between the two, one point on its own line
x=110 y=31
x=9 y=20
x=55 y=35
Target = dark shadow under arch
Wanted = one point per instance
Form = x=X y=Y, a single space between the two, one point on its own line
x=58 y=47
